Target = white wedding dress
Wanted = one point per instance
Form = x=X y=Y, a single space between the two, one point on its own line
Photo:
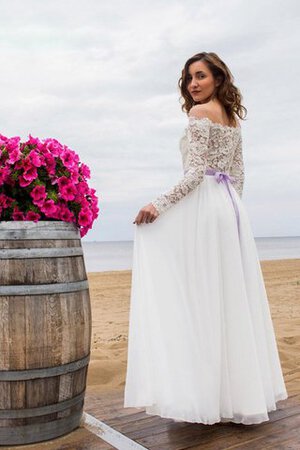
x=201 y=344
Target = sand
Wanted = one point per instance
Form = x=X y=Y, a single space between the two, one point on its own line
x=110 y=299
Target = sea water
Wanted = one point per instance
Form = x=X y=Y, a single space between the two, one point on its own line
x=117 y=255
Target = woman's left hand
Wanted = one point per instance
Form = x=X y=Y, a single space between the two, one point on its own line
x=147 y=214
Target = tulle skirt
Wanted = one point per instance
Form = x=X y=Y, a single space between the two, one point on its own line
x=201 y=343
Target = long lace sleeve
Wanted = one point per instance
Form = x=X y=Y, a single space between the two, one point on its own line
x=237 y=168
x=198 y=137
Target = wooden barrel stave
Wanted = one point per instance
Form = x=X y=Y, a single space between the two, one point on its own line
x=41 y=270
x=35 y=243
x=49 y=341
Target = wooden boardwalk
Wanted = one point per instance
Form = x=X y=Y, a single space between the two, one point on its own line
x=80 y=439
x=155 y=433
x=141 y=430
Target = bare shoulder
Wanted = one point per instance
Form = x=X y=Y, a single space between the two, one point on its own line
x=212 y=112
x=200 y=111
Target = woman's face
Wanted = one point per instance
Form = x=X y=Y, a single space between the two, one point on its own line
x=200 y=82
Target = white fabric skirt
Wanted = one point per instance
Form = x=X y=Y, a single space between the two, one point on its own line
x=201 y=343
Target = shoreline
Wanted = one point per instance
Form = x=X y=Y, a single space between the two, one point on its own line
x=262 y=261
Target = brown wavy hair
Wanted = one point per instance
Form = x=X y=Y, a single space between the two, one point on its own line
x=227 y=93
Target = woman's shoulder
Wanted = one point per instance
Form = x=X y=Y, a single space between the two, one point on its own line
x=200 y=112
x=212 y=113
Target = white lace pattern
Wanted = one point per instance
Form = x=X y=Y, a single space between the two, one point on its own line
x=205 y=144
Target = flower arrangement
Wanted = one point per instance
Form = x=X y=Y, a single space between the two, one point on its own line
x=42 y=180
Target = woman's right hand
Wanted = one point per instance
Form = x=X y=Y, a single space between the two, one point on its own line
x=146 y=214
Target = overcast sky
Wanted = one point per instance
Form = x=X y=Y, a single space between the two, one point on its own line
x=102 y=78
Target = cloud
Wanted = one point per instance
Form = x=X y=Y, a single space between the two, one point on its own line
x=102 y=78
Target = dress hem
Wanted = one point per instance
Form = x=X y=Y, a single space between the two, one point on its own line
x=261 y=417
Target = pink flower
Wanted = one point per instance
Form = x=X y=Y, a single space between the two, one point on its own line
x=33 y=141
x=66 y=215
x=82 y=201
x=26 y=164
x=48 y=208
x=82 y=187
x=30 y=174
x=5 y=201
x=95 y=211
x=17 y=214
x=85 y=217
x=38 y=194
x=4 y=174
x=83 y=231
x=53 y=146
x=50 y=163
x=74 y=175
x=62 y=182
x=3 y=139
x=31 y=215
x=12 y=143
x=56 y=214
x=69 y=158
x=35 y=158
x=23 y=182
x=85 y=171
x=14 y=155
x=68 y=192
x=67 y=189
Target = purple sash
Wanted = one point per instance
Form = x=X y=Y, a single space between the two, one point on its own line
x=225 y=177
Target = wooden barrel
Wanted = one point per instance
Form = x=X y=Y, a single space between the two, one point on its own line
x=45 y=330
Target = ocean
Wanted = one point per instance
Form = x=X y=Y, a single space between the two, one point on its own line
x=117 y=255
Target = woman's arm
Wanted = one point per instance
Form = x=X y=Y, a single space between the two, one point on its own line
x=237 y=168
x=198 y=137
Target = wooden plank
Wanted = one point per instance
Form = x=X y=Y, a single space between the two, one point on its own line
x=118 y=440
x=80 y=439
x=44 y=229
x=39 y=271
x=273 y=441
x=156 y=433
x=40 y=252
x=30 y=243
x=222 y=436
x=43 y=234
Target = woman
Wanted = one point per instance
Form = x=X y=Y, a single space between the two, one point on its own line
x=201 y=340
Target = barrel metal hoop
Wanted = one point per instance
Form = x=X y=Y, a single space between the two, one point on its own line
x=25 y=253
x=41 y=410
x=38 y=432
x=44 y=372
x=40 y=289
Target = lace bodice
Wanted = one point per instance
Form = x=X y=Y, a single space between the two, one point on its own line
x=205 y=144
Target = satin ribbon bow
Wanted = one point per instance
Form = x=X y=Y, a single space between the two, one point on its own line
x=220 y=176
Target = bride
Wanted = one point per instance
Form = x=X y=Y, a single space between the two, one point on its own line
x=201 y=343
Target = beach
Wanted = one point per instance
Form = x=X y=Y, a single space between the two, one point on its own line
x=110 y=300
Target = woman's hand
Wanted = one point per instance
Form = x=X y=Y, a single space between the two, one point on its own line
x=147 y=214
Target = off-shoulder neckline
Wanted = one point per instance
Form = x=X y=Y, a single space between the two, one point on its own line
x=216 y=124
